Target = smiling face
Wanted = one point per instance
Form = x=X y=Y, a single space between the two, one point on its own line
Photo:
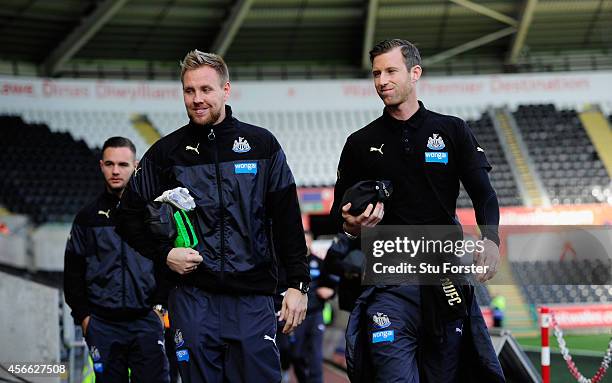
x=117 y=165
x=205 y=94
x=394 y=83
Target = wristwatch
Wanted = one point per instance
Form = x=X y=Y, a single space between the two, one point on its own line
x=160 y=309
x=350 y=236
x=304 y=287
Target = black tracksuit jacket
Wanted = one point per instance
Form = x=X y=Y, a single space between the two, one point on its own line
x=102 y=273
x=246 y=206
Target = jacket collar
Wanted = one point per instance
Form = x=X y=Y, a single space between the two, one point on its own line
x=227 y=127
x=109 y=199
x=414 y=121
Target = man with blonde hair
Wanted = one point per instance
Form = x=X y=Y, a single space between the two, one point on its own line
x=247 y=219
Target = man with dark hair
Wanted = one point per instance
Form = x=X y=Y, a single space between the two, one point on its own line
x=222 y=310
x=110 y=288
x=121 y=142
x=410 y=333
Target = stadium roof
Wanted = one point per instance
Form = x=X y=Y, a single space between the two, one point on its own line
x=64 y=37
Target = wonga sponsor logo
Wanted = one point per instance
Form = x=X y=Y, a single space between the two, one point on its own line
x=383 y=336
x=245 y=168
x=439 y=157
x=182 y=356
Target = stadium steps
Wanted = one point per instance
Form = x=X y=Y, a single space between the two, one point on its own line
x=598 y=130
x=530 y=188
x=145 y=128
x=517 y=317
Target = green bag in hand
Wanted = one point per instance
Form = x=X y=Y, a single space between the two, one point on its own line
x=186 y=235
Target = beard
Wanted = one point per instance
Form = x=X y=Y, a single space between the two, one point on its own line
x=212 y=116
x=399 y=97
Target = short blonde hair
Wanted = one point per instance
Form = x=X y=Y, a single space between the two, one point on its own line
x=197 y=59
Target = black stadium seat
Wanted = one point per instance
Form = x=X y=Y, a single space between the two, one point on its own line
x=501 y=177
x=563 y=154
x=48 y=176
x=572 y=281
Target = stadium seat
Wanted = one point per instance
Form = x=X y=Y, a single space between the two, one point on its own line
x=501 y=176
x=46 y=175
x=562 y=153
x=573 y=281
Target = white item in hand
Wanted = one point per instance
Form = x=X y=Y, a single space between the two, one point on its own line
x=178 y=197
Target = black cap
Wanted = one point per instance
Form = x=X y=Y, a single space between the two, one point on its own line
x=364 y=193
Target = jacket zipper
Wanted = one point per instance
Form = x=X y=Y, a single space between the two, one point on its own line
x=212 y=137
x=123 y=274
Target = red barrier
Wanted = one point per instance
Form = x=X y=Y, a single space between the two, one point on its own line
x=548 y=319
x=545 y=324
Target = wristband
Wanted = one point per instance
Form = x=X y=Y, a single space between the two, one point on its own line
x=350 y=236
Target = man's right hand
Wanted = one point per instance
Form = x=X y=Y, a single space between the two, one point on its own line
x=371 y=216
x=183 y=260
x=85 y=324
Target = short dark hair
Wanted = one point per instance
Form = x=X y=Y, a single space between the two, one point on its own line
x=411 y=54
x=119 y=142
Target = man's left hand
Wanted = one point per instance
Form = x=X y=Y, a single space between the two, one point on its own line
x=488 y=257
x=293 y=310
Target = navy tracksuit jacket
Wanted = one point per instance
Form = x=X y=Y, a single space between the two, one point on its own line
x=107 y=280
x=246 y=206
